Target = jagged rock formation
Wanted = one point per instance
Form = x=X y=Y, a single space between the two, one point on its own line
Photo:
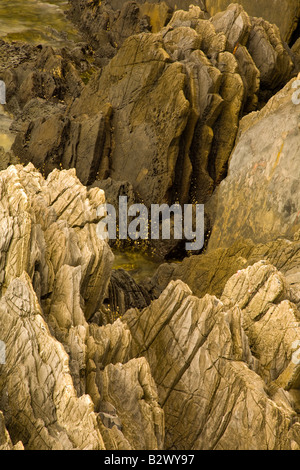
x=209 y=272
x=124 y=293
x=153 y=13
x=40 y=83
x=43 y=73
x=183 y=373
x=226 y=369
x=61 y=386
x=264 y=162
x=5 y=441
x=59 y=214
x=164 y=112
x=42 y=407
x=213 y=361
x=247 y=229
x=285 y=14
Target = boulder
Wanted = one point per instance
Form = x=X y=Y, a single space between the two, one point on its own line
x=265 y=163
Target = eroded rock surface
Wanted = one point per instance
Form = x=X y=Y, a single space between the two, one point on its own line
x=264 y=162
x=163 y=113
x=5 y=441
x=60 y=385
x=39 y=400
x=209 y=272
x=153 y=113
x=185 y=372
x=229 y=377
x=285 y=14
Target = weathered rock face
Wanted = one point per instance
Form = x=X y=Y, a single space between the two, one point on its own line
x=143 y=153
x=285 y=14
x=296 y=52
x=5 y=441
x=183 y=373
x=41 y=408
x=124 y=293
x=40 y=83
x=107 y=25
x=179 y=5
x=62 y=381
x=163 y=114
x=209 y=272
x=260 y=291
x=213 y=361
x=55 y=415
x=230 y=380
x=265 y=163
x=47 y=225
x=41 y=72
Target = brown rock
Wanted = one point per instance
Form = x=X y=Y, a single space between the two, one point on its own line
x=285 y=14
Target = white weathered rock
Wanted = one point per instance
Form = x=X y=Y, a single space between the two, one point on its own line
x=49 y=223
